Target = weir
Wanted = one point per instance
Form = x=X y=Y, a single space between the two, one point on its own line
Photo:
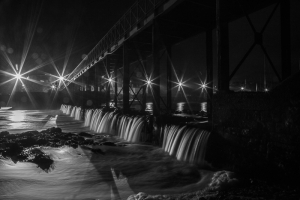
x=185 y=143
x=140 y=70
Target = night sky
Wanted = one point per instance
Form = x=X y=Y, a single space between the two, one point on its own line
x=64 y=31
x=54 y=30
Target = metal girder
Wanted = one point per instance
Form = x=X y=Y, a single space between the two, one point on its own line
x=209 y=75
x=258 y=39
x=133 y=19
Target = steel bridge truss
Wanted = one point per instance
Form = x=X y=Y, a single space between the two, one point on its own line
x=141 y=12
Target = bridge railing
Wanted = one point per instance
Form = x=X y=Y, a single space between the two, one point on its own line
x=133 y=18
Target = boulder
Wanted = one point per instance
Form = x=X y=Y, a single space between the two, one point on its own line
x=4 y=133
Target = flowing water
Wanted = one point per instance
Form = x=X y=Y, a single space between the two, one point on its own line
x=117 y=173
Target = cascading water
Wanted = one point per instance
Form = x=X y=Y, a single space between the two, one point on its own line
x=69 y=109
x=96 y=118
x=78 y=113
x=87 y=117
x=130 y=128
x=185 y=143
x=127 y=128
x=63 y=108
x=73 y=111
x=105 y=124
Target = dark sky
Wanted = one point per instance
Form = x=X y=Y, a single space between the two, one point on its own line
x=191 y=54
x=54 y=29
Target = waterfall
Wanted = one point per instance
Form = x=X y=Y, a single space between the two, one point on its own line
x=69 y=109
x=185 y=143
x=87 y=117
x=78 y=113
x=64 y=108
x=130 y=128
x=98 y=119
x=73 y=111
x=103 y=126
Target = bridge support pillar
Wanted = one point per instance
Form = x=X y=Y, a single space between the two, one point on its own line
x=209 y=75
x=169 y=78
x=285 y=38
x=222 y=46
x=155 y=69
x=95 y=85
x=126 y=78
x=108 y=84
x=116 y=82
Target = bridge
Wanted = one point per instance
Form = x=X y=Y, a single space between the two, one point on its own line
x=132 y=63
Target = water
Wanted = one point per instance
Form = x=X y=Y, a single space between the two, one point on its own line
x=80 y=174
x=128 y=128
x=186 y=144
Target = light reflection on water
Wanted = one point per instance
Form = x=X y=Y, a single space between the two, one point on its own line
x=17 y=120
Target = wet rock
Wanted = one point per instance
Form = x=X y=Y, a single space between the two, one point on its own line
x=80 y=139
x=108 y=144
x=84 y=134
x=4 y=134
x=13 y=150
x=88 y=142
x=42 y=142
x=43 y=161
x=28 y=142
x=222 y=180
x=29 y=133
x=97 y=151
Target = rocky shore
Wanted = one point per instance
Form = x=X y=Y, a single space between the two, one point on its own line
x=27 y=147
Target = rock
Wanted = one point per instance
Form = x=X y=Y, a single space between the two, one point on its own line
x=139 y=196
x=29 y=133
x=42 y=142
x=108 y=144
x=13 y=151
x=98 y=151
x=83 y=134
x=43 y=161
x=80 y=139
x=58 y=130
x=4 y=133
x=28 y=142
x=88 y=142
x=223 y=179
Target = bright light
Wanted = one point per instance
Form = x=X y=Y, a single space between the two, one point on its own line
x=203 y=86
x=266 y=90
x=110 y=80
x=53 y=86
x=180 y=84
x=61 y=78
x=242 y=88
x=18 y=76
x=148 y=82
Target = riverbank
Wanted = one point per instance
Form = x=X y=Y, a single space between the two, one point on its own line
x=28 y=147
